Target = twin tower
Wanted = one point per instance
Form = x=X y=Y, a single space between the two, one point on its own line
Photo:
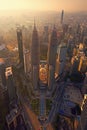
x=51 y=58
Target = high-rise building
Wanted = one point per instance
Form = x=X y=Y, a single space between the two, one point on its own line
x=27 y=61
x=10 y=85
x=2 y=71
x=4 y=103
x=65 y=28
x=46 y=34
x=85 y=41
x=62 y=16
x=75 y=64
x=20 y=46
x=35 y=58
x=52 y=51
x=4 y=100
x=61 y=59
x=84 y=88
x=83 y=64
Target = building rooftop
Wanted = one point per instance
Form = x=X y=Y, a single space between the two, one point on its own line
x=73 y=94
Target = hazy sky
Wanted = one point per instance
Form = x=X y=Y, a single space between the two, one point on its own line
x=68 y=5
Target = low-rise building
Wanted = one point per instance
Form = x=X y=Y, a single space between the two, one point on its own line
x=73 y=94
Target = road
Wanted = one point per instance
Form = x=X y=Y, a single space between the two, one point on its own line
x=27 y=119
x=56 y=102
x=32 y=117
x=42 y=104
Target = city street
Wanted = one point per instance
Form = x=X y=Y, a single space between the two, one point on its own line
x=56 y=102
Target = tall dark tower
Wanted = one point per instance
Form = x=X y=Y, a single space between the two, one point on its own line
x=62 y=16
x=20 y=46
x=52 y=50
x=2 y=72
x=10 y=85
x=35 y=58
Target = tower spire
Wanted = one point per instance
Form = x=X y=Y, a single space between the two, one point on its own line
x=35 y=57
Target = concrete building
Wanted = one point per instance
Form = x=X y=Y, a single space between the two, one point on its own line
x=46 y=35
x=83 y=64
x=4 y=99
x=61 y=59
x=2 y=72
x=70 y=45
x=65 y=108
x=14 y=120
x=85 y=41
x=75 y=64
x=10 y=85
x=73 y=94
x=62 y=17
x=20 y=46
x=27 y=61
x=83 y=122
x=52 y=52
x=35 y=58
x=27 y=35
x=84 y=88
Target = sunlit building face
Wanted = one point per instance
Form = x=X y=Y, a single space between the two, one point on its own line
x=43 y=74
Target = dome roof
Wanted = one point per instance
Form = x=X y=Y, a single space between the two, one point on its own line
x=43 y=70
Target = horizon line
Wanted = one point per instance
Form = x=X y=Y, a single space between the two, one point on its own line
x=67 y=11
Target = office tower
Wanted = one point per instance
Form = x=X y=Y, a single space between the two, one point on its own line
x=35 y=58
x=84 y=88
x=10 y=85
x=46 y=34
x=15 y=120
x=61 y=59
x=83 y=64
x=75 y=64
x=27 y=61
x=26 y=33
x=70 y=47
x=85 y=41
x=4 y=100
x=65 y=29
x=2 y=72
x=4 y=104
x=78 y=29
x=84 y=116
x=62 y=16
x=20 y=46
x=52 y=51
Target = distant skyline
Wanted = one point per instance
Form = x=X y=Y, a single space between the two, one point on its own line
x=44 y=5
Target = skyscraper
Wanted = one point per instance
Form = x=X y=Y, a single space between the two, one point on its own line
x=62 y=16
x=2 y=71
x=35 y=58
x=61 y=59
x=10 y=85
x=75 y=64
x=46 y=34
x=27 y=61
x=20 y=46
x=52 y=50
x=4 y=100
